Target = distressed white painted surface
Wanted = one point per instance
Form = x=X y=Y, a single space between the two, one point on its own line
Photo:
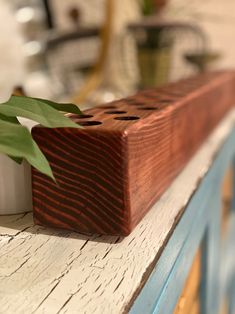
x=49 y=271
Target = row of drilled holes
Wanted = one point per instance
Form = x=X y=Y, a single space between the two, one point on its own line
x=123 y=118
x=132 y=102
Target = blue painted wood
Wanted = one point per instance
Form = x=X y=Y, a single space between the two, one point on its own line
x=233 y=199
x=201 y=219
x=145 y=303
x=228 y=254
x=212 y=294
x=229 y=290
x=204 y=270
x=232 y=296
x=182 y=266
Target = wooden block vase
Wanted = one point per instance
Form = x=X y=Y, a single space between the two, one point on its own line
x=110 y=172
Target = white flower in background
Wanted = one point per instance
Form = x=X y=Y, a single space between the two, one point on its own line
x=11 y=52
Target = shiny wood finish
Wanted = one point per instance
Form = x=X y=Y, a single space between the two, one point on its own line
x=112 y=171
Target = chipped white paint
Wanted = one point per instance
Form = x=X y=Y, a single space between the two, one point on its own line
x=51 y=271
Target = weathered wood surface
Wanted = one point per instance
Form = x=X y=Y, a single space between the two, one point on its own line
x=110 y=173
x=51 y=271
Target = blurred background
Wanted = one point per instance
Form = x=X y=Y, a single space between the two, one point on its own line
x=94 y=51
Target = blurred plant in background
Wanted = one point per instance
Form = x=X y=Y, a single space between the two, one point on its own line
x=150 y=7
x=154 y=44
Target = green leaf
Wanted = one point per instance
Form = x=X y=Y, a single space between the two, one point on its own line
x=70 y=108
x=37 y=111
x=147 y=7
x=9 y=119
x=39 y=161
x=18 y=160
x=16 y=141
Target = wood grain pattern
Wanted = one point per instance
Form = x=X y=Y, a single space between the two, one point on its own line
x=112 y=171
x=52 y=271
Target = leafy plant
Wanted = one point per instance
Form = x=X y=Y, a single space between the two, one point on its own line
x=147 y=6
x=152 y=6
x=16 y=140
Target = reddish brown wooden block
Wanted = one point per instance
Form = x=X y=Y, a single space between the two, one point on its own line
x=112 y=171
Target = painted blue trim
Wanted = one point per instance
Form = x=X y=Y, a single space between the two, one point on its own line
x=181 y=267
x=232 y=297
x=233 y=200
x=204 y=270
x=228 y=275
x=162 y=290
x=146 y=301
x=212 y=294
x=228 y=253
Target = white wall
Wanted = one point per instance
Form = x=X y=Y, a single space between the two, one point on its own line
x=92 y=11
x=217 y=18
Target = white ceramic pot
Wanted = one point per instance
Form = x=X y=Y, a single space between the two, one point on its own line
x=15 y=187
x=15 y=183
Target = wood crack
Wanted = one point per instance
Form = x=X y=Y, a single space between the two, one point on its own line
x=50 y=292
x=68 y=300
x=118 y=284
x=82 y=247
x=21 y=231
x=58 y=280
x=21 y=265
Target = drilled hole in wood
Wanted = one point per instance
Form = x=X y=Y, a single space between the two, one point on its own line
x=84 y=116
x=89 y=123
x=137 y=103
x=127 y=118
x=176 y=94
x=165 y=100
x=107 y=107
x=115 y=112
x=130 y=100
x=148 y=108
x=150 y=96
x=190 y=84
